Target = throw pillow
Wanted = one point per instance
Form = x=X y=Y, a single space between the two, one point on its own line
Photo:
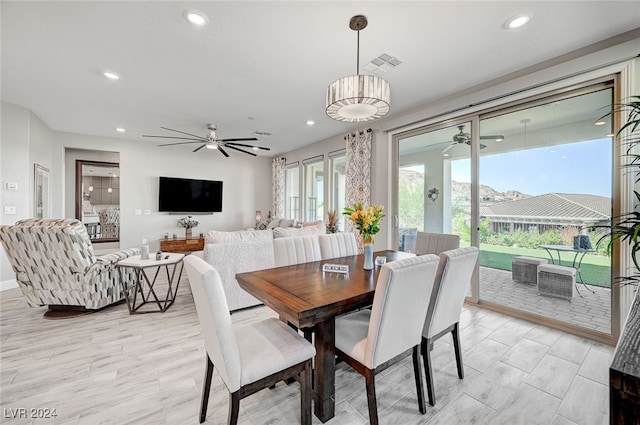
x=289 y=232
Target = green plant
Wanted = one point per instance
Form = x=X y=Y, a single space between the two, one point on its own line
x=626 y=227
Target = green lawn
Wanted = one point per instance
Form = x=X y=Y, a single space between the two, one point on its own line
x=596 y=269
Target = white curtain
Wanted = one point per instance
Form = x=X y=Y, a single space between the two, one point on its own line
x=358 y=174
x=278 y=182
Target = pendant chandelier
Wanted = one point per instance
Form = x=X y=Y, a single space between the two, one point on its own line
x=358 y=98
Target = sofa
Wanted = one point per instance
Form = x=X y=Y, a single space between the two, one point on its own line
x=249 y=250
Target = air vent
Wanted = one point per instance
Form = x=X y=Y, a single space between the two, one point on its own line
x=262 y=133
x=383 y=63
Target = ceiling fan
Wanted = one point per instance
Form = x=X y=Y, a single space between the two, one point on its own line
x=211 y=141
x=465 y=138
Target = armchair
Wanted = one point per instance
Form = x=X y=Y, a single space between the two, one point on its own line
x=55 y=265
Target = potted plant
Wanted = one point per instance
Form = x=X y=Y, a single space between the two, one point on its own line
x=332 y=221
x=626 y=227
x=367 y=222
x=188 y=223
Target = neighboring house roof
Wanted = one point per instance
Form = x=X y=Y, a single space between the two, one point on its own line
x=552 y=206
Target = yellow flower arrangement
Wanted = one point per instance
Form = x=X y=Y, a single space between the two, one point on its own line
x=366 y=220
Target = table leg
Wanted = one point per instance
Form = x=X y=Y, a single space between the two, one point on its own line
x=324 y=373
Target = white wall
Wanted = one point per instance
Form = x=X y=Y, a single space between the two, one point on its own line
x=26 y=141
x=247 y=185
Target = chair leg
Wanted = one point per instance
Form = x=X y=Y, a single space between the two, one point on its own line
x=206 y=388
x=371 y=396
x=426 y=356
x=456 y=345
x=234 y=408
x=305 y=394
x=417 y=372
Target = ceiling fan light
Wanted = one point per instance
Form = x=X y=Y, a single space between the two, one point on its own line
x=211 y=146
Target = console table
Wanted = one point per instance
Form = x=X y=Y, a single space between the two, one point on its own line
x=181 y=245
x=624 y=373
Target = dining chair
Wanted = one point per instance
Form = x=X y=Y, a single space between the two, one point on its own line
x=435 y=243
x=336 y=245
x=450 y=288
x=249 y=358
x=296 y=250
x=372 y=340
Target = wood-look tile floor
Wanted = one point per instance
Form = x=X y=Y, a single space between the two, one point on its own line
x=113 y=368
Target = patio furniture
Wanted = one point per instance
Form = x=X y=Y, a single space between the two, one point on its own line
x=578 y=256
x=556 y=281
x=525 y=269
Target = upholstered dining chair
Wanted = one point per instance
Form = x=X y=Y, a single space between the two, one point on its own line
x=55 y=265
x=372 y=340
x=302 y=249
x=449 y=290
x=334 y=245
x=435 y=243
x=251 y=357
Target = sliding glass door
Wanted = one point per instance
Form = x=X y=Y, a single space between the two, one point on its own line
x=545 y=189
x=529 y=184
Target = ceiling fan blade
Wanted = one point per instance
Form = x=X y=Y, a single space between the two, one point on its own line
x=179 y=143
x=247 y=146
x=199 y=147
x=171 y=137
x=182 y=132
x=238 y=140
x=496 y=137
x=482 y=146
x=222 y=151
x=241 y=150
x=448 y=147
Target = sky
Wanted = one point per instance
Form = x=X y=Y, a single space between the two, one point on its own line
x=583 y=167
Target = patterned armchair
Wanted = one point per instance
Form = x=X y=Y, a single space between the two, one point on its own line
x=109 y=223
x=55 y=264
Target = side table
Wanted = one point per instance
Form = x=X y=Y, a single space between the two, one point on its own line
x=138 y=299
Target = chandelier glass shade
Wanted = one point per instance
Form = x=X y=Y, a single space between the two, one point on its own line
x=358 y=98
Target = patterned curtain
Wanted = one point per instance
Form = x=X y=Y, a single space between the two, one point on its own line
x=278 y=182
x=358 y=174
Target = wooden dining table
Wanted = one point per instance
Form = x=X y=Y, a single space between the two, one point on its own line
x=310 y=299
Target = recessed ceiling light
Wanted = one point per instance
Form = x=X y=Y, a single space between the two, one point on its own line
x=310 y=122
x=111 y=75
x=610 y=135
x=120 y=130
x=599 y=123
x=196 y=17
x=518 y=21
x=446 y=154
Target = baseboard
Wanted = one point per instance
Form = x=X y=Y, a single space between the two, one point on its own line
x=8 y=284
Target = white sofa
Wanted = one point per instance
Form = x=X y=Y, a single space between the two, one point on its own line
x=249 y=250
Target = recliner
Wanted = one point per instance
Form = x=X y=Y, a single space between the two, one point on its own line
x=55 y=265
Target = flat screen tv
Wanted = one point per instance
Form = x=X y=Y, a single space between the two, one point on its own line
x=176 y=195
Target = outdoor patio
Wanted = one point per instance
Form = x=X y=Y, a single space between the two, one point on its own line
x=592 y=310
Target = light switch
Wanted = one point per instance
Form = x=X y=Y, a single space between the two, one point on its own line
x=11 y=186
x=137 y=212
x=9 y=210
x=147 y=212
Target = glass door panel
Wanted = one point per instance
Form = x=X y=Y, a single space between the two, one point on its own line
x=545 y=180
x=434 y=184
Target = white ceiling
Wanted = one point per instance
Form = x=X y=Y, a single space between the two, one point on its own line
x=265 y=65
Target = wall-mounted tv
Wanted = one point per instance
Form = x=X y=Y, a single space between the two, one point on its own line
x=177 y=195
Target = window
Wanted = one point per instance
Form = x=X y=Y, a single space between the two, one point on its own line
x=314 y=189
x=338 y=185
x=292 y=191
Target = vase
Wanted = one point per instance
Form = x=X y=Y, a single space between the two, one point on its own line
x=368 y=256
x=187 y=233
